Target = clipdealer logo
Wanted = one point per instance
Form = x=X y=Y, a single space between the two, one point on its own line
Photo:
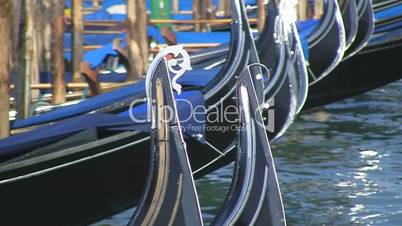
x=195 y=118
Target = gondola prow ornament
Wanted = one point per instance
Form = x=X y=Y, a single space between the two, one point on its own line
x=177 y=66
x=169 y=195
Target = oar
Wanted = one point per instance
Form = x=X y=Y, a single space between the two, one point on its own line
x=170 y=196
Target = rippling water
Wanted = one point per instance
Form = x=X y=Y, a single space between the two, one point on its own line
x=341 y=165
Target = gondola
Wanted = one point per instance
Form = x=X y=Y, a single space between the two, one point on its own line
x=270 y=45
x=291 y=96
x=169 y=196
x=198 y=80
x=327 y=44
x=350 y=20
x=279 y=71
x=350 y=78
x=365 y=28
x=298 y=66
x=254 y=197
x=287 y=88
x=279 y=110
x=78 y=183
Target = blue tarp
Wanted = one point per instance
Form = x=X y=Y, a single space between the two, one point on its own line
x=385 y=37
x=203 y=37
x=389 y=27
x=389 y=13
x=91 y=39
x=103 y=14
x=83 y=107
x=87 y=4
x=305 y=29
x=109 y=77
x=97 y=57
x=198 y=77
x=153 y=32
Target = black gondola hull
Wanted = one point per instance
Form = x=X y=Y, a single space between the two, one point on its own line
x=372 y=68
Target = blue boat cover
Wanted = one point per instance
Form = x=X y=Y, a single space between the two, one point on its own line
x=97 y=57
x=86 y=3
x=83 y=107
x=389 y=13
x=91 y=39
x=110 y=3
x=203 y=37
x=182 y=16
x=389 y=27
x=154 y=32
x=197 y=77
x=112 y=77
x=103 y=14
x=186 y=103
x=385 y=37
x=305 y=29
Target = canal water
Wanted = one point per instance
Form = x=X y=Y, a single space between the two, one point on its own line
x=340 y=165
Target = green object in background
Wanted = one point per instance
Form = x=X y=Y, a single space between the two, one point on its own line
x=161 y=9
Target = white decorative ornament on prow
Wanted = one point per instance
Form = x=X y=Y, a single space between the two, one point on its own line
x=183 y=66
x=287 y=9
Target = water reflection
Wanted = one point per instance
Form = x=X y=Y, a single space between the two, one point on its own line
x=343 y=163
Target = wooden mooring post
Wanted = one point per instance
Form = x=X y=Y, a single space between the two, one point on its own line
x=175 y=6
x=228 y=7
x=29 y=53
x=16 y=51
x=318 y=9
x=58 y=66
x=206 y=13
x=261 y=14
x=303 y=10
x=142 y=30
x=201 y=11
x=47 y=35
x=78 y=38
x=134 y=39
x=5 y=46
x=197 y=14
